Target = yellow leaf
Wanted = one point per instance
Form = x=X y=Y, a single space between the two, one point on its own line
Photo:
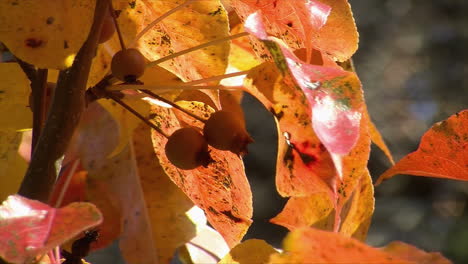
x=14 y=98
x=47 y=34
x=361 y=207
x=12 y=165
x=250 y=251
x=126 y=121
x=165 y=202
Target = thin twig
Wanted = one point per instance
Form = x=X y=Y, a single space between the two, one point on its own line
x=159 y=19
x=65 y=185
x=138 y=115
x=201 y=46
x=117 y=28
x=176 y=106
x=39 y=105
x=211 y=254
x=216 y=78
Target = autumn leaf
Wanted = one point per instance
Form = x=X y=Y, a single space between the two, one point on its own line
x=412 y=253
x=221 y=189
x=292 y=21
x=167 y=204
x=334 y=95
x=308 y=245
x=192 y=25
x=46 y=35
x=303 y=164
x=325 y=25
x=14 y=94
x=30 y=228
x=441 y=153
x=249 y=251
x=377 y=139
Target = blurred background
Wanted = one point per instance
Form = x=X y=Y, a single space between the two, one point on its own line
x=413 y=63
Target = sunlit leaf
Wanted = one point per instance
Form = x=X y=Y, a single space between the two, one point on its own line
x=412 y=253
x=45 y=35
x=30 y=228
x=334 y=95
x=249 y=251
x=295 y=22
x=313 y=210
x=221 y=189
x=441 y=154
x=357 y=216
x=165 y=202
x=308 y=245
x=377 y=139
x=200 y=22
x=303 y=165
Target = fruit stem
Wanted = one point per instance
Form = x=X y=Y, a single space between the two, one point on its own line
x=65 y=185
x=216 y=78
x=208 y=252
x=138 y=115
x=159 y=19
x=201 y=46
x=167 y=88
x=176 y=106
x=117 y=28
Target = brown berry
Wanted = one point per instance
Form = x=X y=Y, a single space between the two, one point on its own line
x=108 y=28
x=225 y=131
x=187 y=149
x=128 y=65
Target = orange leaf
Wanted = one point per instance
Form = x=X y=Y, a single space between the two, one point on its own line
x=308 y=245
x=377 y=139
x=303 y=164
x=442 y=152
x=221 y=189
x=412 y=253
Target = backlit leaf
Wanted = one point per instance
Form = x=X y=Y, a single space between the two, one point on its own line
x=249 y=251
x=303 y=165
x=412 y=253
x=334 y=95
x=45 y=35
x=221 y=189
x=30 y=228
x=199 y=22
x=295 y=22
x=166 y=203
x=308 y=245
x=377 y=139
x=442 y=152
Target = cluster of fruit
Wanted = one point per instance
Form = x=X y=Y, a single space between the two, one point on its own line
x=186 y=148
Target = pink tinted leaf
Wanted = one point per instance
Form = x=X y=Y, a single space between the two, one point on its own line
x=334 y=95
x=29 y=228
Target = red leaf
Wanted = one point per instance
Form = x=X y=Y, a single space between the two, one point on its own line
x=221 y=189
x=293 y=21
x=29 y=228
x=442 y=152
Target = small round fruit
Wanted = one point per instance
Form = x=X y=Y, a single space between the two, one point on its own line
x=108 y=28
x=128 y=65
x=225 y=131
x=187 y=149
